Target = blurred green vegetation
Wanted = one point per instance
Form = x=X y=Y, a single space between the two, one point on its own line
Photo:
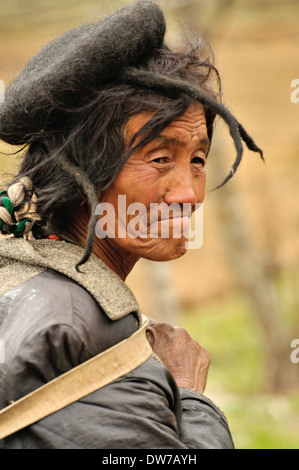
x=227 y=330
x=236 y=383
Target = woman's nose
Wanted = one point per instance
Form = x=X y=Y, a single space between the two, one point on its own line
x=181 y=195
x=182 y=190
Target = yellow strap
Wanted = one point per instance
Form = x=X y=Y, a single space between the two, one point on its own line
x=76 y=383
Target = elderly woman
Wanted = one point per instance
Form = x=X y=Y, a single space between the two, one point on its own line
x=105 y=110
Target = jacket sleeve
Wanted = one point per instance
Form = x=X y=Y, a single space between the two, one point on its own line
x=144 y=409
x=139 y=410
x=203 y=425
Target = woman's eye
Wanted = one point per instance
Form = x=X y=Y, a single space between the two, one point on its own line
x=198 y=161
x=160 y=160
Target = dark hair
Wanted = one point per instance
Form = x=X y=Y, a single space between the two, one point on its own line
x=93 y=137
x=90 y=147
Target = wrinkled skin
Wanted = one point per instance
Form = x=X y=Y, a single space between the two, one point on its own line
x=169 y=169
x=186 y=359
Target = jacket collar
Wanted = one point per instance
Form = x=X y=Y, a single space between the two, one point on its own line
x=21 y=260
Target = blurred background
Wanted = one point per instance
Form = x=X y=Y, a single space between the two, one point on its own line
x=238 y=295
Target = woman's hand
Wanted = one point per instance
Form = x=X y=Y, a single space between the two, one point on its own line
x=186 y=359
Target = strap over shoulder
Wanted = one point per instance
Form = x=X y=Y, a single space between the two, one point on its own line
x=76 y=383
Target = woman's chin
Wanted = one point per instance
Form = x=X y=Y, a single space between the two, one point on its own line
x=161 y=249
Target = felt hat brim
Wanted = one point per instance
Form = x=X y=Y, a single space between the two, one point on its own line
x=67 y=70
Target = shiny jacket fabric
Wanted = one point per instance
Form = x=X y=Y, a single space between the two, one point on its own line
x=49 y=324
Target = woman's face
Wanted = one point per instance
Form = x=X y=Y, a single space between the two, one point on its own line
x=169 y=170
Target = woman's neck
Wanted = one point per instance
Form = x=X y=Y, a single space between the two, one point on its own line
x=105 y=249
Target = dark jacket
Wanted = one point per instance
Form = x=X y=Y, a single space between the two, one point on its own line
x=53 y=318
